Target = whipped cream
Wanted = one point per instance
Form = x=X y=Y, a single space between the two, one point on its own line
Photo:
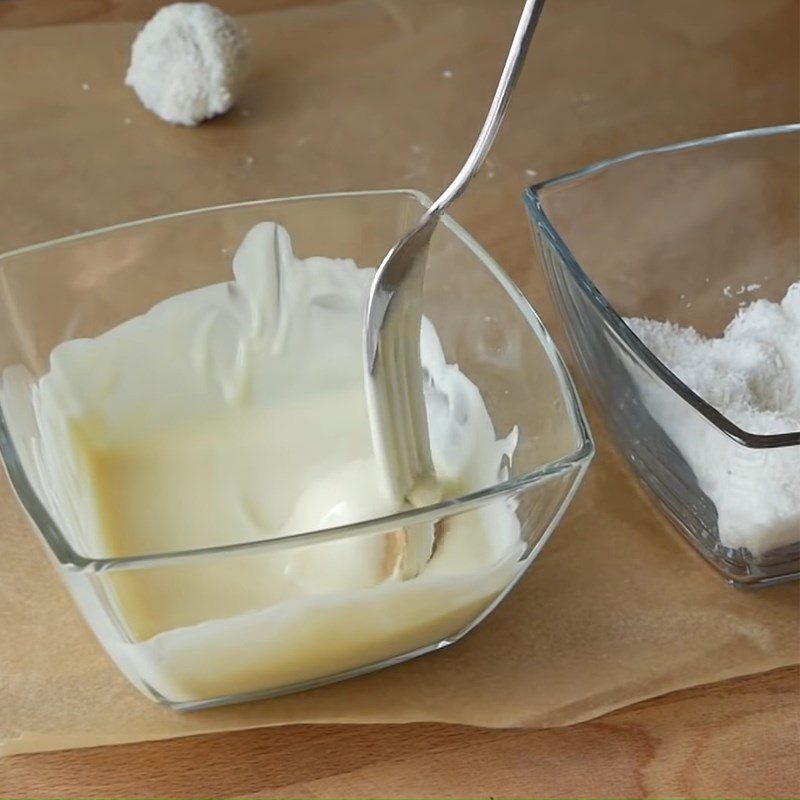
x=235 y=413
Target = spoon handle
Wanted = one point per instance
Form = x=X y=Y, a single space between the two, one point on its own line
x=508 y=78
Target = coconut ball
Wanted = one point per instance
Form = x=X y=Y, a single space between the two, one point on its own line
x=188 y=63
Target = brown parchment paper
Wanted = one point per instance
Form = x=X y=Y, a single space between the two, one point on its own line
x=355 y=95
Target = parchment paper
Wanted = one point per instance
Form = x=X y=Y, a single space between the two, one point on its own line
x=361 y=94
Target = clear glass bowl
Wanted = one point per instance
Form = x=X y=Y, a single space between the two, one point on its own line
x=215 y=652
x=685 y=233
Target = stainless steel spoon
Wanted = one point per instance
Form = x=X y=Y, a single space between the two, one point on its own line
x=393 y=371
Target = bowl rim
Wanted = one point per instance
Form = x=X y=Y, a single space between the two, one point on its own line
x=533 y=202
x=576 y=461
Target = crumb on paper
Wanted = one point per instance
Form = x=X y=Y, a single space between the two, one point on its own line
x=447 y=73
x=188 y=63
x=745 y=288
x=85 y=86
x=249 y=161
x=531 y=173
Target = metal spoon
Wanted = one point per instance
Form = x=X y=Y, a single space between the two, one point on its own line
x=393 y=370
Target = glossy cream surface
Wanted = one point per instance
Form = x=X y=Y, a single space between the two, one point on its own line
x=235 y=413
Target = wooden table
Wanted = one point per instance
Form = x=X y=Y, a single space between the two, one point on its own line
x=739 y=738
x=736 y=739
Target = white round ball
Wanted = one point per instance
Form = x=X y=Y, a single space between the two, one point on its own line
x=188 y=63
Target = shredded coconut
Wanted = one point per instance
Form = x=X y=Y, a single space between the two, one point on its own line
x=188 y=63
x=752 y=376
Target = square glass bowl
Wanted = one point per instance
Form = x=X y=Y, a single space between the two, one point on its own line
x=213 y=651
x=688 y=234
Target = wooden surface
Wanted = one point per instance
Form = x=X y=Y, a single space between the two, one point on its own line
x=736 y=739
x=740 y=738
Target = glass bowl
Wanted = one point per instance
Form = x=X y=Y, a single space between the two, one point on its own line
x=687 y=233
x=212 y=650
